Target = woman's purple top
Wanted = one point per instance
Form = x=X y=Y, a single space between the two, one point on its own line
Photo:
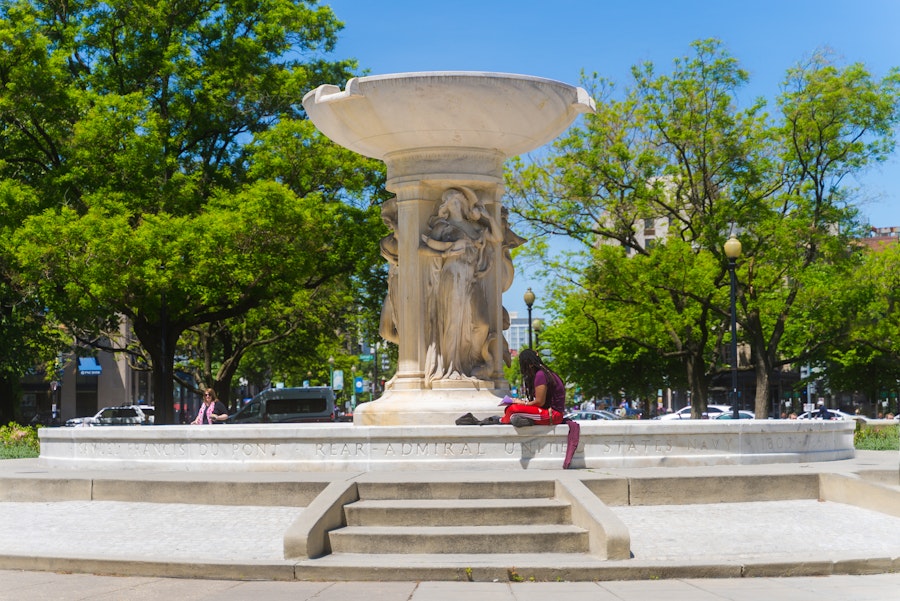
x=556 y=392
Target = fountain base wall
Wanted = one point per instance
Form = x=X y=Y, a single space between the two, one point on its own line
x=353 y=448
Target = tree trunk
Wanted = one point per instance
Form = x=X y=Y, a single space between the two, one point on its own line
x=159 y=340
x=761 y=402
x=9 y=394
x=697 y=382
x=760 y=361
x=163 y=391
x=222 y=385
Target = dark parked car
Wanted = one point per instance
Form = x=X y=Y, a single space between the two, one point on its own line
x=286 y=405
x=45 y=418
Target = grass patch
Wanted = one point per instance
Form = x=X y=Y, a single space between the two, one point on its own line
x=877 y=438
x=19 y=442
x=17 y=452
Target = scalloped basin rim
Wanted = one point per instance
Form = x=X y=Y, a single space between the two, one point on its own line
x=354 y=82
x=460 y=74
x=380 y=114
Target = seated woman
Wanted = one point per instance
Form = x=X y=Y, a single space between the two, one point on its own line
x=545 y=395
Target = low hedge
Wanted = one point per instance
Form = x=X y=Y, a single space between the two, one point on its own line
x=877 y=438
x=19 y=442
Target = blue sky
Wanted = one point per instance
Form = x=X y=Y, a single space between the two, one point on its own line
x=560 y=39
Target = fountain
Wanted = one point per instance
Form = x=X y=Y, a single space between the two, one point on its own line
x=444 y=137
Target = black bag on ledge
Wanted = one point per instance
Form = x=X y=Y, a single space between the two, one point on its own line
x=467 y=420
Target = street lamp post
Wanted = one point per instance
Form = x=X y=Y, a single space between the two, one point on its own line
x=331 y=372
x=375 y=367
x=529 y=301
x=238 y=403
x=54 y=401
x=733 y=251
x=353 y=396
x=538 y=326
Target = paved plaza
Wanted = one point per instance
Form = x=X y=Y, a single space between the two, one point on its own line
x=192 y=533
x=805 y=532
x=44 y=586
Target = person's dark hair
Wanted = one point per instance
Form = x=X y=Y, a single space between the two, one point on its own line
x=529 y=364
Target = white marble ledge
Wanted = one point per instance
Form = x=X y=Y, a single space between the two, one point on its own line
x=337 y=447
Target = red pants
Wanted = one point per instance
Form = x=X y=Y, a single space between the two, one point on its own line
x=541 y=416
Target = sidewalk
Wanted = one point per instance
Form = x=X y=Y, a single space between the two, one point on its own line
x=793 y=531
x=43 y=586
x=734 y=538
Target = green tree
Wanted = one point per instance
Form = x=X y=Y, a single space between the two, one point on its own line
x=870 y=361
x=131 y=122
x=30 y=337
x=293 y=153
x=627 y=329
x=677 y=160
x=674 y=158
x=835 y=122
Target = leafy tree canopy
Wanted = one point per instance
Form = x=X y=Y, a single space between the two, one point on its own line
x=664 y=171
x=164 y=142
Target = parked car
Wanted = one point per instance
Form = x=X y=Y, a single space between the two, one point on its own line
x=742 y=414
x=590 y=415
x=46 y=419
x=835 y=414
x=124 y=415
x=712 y=412
x=287 y=405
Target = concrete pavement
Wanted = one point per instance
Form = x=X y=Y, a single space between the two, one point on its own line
x=47 y=586
x=700 y=551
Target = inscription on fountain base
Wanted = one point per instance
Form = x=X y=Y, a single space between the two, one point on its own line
x=347 y=447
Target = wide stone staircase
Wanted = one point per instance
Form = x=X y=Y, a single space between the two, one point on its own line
x=473 y=530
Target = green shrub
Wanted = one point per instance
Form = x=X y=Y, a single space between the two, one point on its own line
x=880 y=438
x=17 y=442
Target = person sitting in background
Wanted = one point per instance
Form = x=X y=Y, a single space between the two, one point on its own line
x=212 y=410
x=545 y=394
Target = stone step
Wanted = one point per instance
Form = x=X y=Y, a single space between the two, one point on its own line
x=486 y=489
x=498 y=567
x=554 y=538
x=457 y=512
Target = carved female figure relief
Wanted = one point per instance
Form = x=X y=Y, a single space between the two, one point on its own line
x=457 y=330
x=511 y=240
x=390 y=250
